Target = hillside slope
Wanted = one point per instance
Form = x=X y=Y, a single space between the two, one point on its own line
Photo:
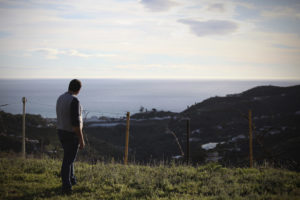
x=219 y=132
x=224 y=121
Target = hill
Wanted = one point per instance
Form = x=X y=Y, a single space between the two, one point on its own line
x=219 y=132
x=224 y=122
x=39 y=179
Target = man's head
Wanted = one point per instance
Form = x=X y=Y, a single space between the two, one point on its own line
x=74 y=86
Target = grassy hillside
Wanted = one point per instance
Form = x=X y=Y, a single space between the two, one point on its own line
x=39 y=179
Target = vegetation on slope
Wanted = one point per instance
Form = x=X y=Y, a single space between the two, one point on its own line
x=219 y=120
x=39 y=179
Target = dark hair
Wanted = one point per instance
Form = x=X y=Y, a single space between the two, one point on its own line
x=74 y=85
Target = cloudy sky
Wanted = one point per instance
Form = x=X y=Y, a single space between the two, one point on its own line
x=188 y=39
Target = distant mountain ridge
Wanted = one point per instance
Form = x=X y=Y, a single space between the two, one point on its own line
x=270 y=90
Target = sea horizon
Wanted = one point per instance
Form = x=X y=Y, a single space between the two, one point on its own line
x=167 y=78
x=114 y=97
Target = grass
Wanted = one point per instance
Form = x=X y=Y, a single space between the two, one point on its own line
x=40 y=179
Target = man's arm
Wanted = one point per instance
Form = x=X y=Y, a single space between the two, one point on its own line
x=75 y=118
x=79 y=134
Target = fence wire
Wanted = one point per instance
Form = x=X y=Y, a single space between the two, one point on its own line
x=259 y=135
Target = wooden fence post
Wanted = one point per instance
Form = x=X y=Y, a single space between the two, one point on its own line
x=188 y=141
x=250 y=139
x=23 y=128
x=127 y=138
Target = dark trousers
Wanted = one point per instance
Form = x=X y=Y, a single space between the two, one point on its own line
x=69 y=143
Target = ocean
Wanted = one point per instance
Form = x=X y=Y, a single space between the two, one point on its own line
x=115 y=97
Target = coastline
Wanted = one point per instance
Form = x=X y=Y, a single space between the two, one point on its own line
x=115 y=97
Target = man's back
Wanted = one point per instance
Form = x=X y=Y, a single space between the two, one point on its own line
x=68 y=112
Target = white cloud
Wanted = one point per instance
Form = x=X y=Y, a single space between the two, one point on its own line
x=50 y=53
x=219 y=7
x=158 y=5
x=125 y=33
x=281 y=12
x=210 y=27
x=85 y=55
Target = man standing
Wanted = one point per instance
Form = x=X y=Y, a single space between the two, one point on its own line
x=69 y=128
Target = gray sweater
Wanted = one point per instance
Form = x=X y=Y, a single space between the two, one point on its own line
x=68 y=112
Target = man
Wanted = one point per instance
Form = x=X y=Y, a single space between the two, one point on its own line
x=69 y=128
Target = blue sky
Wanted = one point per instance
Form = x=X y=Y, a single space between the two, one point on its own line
x=165 y=39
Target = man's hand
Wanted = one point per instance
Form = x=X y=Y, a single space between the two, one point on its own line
x=81 y=144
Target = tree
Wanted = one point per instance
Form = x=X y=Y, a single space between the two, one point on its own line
x=142 y=109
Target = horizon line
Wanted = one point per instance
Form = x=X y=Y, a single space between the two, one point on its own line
x=160 y=78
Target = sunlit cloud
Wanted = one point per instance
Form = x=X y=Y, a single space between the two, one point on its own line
x=49 y=53
x=85 y=55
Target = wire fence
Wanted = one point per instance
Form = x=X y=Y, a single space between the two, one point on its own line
x=259 y=134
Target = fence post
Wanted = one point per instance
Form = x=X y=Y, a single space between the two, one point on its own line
x=23 y=128
x=250 y=139
x=127 y=138
x=188 y=141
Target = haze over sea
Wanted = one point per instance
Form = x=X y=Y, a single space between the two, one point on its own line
x=114 y=97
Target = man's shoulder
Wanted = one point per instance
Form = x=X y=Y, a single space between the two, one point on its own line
x=63 y=94
x=75 y=99
x=65 y=97
x=68 y=97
